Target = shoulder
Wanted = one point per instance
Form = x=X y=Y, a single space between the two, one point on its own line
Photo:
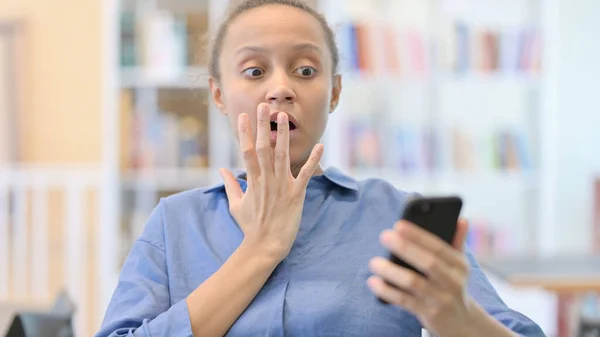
x=371 y=188
x=175 y=214
x=197 y=198
x=381 y=188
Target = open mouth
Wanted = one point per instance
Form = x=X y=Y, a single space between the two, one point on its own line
x=274 y=126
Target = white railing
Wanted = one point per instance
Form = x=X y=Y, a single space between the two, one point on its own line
x=29 y=222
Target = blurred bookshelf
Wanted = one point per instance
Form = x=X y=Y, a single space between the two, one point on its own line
x=443 y=96
x=165 y=116
x=440 y=96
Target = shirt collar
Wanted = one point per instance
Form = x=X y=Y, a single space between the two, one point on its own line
x=334 y=175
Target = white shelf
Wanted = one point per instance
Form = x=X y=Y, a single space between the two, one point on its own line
x=177 y=6
x=187 y=78
x=445 y=77
x=167 y=178
x=492 y=78
x=450 y=179
x=354 y=77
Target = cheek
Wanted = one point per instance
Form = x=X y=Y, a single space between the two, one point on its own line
x=240 y=98
x=233 y=118
x=319 y=105
x=244 y=99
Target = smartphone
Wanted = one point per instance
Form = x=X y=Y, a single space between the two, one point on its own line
x=438 y=215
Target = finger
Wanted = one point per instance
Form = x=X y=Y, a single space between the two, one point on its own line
x=232 y=186
x=405 y=279
x=430 y=242
x=282 y=147
x=395 y=296
x=263 y=139
x=460 y=238
x=430 y=264
x=247 y=147
x=311 y=165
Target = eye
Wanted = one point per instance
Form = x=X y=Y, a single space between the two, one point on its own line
x=306 y=71
x=254 y=72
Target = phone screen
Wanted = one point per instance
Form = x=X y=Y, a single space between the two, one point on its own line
x=436 y=215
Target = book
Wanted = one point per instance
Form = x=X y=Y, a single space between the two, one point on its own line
x=364 y=144
x=363 y=48
x=447 y=47
x=511 y=150
x=346 y=45
x=129 y=47
x=162 y=45
x=391 y=61
x=126 y=129
x=415 y=45
x=488 y=51
x=509 y=51
x=463 y=48
x=462 y=150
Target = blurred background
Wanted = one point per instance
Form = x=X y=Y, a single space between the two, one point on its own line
x=104 y=109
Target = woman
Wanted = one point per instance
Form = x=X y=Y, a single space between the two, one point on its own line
x=288 y=249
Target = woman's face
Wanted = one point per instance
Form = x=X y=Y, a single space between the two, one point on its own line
x=278 y=54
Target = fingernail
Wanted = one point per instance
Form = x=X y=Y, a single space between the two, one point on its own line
x=264 y=108
x=281 y=117
x=372 y=281
x=386 y=237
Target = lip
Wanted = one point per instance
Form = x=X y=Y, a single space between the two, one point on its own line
x=291 y=118
x=292 y=133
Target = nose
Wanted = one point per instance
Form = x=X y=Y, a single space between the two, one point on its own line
x=280 y=91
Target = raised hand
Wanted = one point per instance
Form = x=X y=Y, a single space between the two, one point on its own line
x=269 y=211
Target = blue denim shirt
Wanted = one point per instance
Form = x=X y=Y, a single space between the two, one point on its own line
x=318 y=290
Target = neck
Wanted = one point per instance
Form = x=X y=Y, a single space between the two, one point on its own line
x=295 y=168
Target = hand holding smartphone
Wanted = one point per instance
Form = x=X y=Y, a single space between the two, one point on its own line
x=438 y=215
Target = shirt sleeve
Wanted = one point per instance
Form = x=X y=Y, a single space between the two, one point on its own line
x=140 y=305
x=483 y=292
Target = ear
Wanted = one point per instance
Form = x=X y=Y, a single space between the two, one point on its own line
x=336 y=91
x=217 y=95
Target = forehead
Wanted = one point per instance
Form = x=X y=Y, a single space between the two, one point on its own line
x=274 y=26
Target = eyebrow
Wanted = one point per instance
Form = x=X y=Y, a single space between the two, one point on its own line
x=262 y=49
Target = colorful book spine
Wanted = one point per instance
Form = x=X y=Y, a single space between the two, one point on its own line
x=363 y=48
x=391 y=52
x=372 y=49
x=463 y=48
x=485 y=239
x=128 y=40
x=364 y=144
x=164 y=140
x=417 y=53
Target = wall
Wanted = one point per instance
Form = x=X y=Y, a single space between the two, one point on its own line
x=60 y=122
x=61 y=116
x=578 y=141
